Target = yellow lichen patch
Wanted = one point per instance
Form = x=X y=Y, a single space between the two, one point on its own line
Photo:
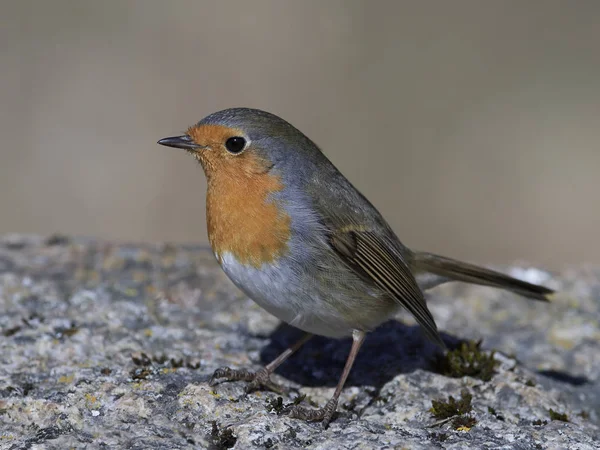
x=242 y=217
x=66 y=379
x=90 y=400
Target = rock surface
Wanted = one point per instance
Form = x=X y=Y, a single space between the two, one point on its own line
x=111 y=346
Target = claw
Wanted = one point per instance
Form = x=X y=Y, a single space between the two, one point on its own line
x=324 y=414
x=231 y=375
x=256 y=380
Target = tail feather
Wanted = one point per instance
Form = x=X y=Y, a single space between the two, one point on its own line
x=470 y=273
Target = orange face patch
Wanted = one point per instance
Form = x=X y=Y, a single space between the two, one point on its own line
x=242 y=217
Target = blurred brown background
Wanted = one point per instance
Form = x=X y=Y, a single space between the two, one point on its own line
x=474 y=126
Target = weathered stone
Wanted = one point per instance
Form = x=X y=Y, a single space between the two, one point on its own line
x=110 y=345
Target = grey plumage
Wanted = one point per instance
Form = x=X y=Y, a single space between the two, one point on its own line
x=346 y=268
x=339 y=269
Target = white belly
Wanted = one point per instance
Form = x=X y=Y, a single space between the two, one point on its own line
x=280 y=291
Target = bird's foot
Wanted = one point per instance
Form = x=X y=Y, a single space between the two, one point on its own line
x=256 y=380
x=324 y=414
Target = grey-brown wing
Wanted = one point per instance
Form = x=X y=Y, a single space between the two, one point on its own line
x=369 y=256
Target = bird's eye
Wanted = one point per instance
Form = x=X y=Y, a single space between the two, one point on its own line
x=235 y=144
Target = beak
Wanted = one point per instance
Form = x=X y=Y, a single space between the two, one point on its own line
x=185 y=142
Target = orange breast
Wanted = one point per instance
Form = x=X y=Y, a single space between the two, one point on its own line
x=242 y=216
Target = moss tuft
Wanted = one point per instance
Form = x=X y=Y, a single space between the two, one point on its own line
x=444 y=410
x=467 y=360
x=276 y=404
x=464 y=423
x=557 y=416
x=454 y=409
x=221 y=439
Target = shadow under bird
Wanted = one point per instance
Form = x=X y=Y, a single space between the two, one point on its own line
x=300 y=240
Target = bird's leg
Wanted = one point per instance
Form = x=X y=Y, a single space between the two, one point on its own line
x=262 y=377
x=325 y=414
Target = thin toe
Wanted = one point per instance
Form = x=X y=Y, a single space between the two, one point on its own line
x=221 y=372
x=229 y=374
x=324 y=414
x=256 y=380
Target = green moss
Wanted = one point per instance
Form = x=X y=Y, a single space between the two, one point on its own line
x=467 y=360
x=276 y=404
x=140 y=373
x=454 y=409
x=221 y=439
x=176 y=363
x=158 y=364
x=444 y=410
x=464 y=422
x=557 y=416
x=141 y=359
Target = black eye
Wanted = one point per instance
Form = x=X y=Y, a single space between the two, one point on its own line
x=235 y=144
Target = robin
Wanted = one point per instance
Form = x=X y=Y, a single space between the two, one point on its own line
x=300 y=240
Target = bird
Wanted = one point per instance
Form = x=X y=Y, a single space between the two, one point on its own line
x=293 y=233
